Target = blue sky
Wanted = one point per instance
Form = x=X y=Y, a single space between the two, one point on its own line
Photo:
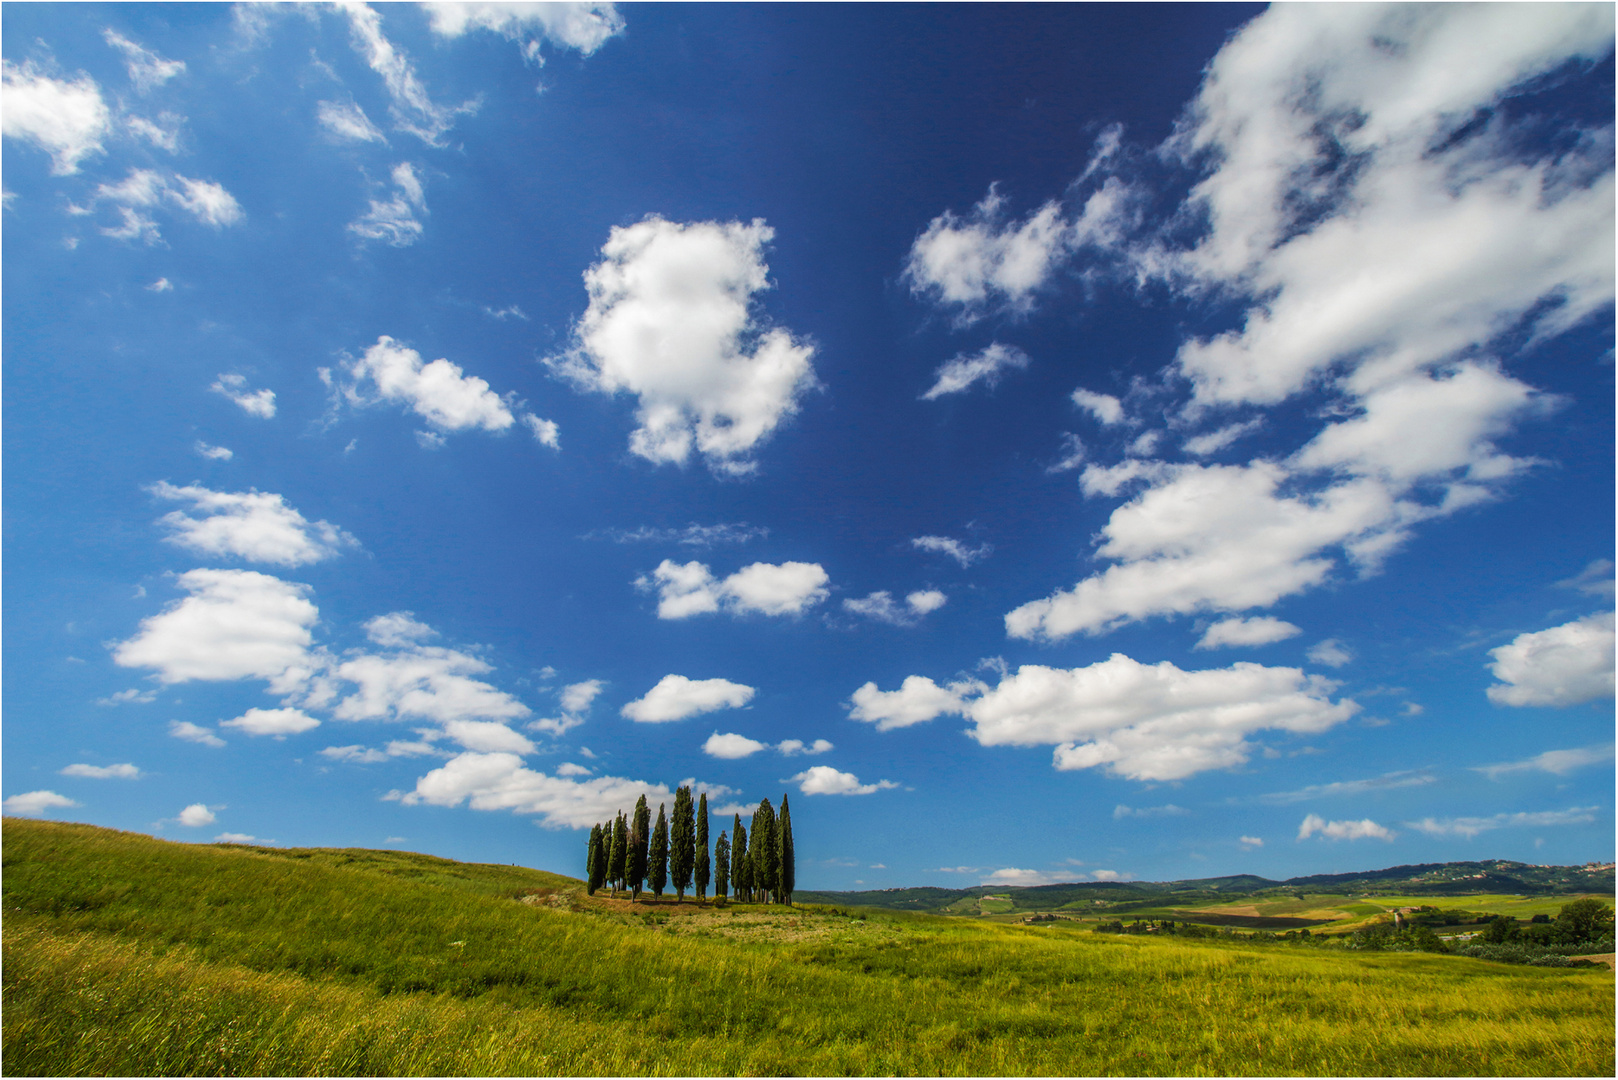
x=1053 y=443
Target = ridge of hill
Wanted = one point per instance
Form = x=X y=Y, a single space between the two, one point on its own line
x=1450 y=879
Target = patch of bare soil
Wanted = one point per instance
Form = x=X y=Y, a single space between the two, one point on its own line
x=1600 y=958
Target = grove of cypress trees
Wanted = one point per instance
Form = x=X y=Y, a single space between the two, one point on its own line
x=658 y=872
x=786 y=875
x=702 y=846
x=763 y=851
x=741 y=868
x=640 y=829
x=618 y=859
x=683 y=840
x=721 y=867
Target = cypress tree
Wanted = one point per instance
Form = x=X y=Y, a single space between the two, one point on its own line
x=658 y=873
x=682 y=852
x=721 y=867
x=618 y=859
x=763 y=851
x=702 y=846
x=594 y=862
x=786 y=876
x=741 y=870
x=590 y=859
x=640 y=829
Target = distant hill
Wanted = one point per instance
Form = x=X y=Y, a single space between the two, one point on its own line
x=1450 y=879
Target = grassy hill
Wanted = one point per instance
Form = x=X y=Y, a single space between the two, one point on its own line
x=129 y=955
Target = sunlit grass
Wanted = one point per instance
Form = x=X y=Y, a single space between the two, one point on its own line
x=128 y=955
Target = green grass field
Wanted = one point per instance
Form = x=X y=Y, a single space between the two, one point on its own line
x=129 y=955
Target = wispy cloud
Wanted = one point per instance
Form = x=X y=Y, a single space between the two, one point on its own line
x=1556 y=762
x=1472 y=826
x=1339 y=788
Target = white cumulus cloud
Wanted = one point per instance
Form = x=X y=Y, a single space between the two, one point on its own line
x=731 y=746
x=1564 y=665
x=583 y=26
x=1107 y=410
x=35 y=803
x=275 y=722
x=500 y=781
x=235 y=624
x=254 y=525
x=1331 y=653
x=917 y=701
x=983 y=263
x=1152 y=721
x=1364 y=829
x=1424 y=244
x=672 y=320
x=426 y=682
x=1221 y=538
x=260 y=403
x=765 y=588
x=195 y=816
x=883 y=608
x=185 y=729
x=1257 y=631
x=440 y=391
x=102 y=772
x=676 y=697
x=825 y=780
x=67 y=120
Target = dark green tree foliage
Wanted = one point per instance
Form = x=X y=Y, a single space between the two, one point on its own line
x=618 y=860
x=721 y=867
x=786 y=873
x=595 y=862
x=640 y=829
x=1585 y=920
x=741 y=869
x=762 y=846
x=702 y=846
x=658 y=872
x=682 y=852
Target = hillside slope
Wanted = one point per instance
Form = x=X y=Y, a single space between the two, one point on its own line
x=129 y=955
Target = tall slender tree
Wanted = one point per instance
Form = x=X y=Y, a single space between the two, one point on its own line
x=721 y=867
x=618 y=860
x=741 y=870
x=702 y=846
x=762 y=846
x=595 y=863
x=657 y=875
x=682 y=840
x=786 y=875
x=640 y=829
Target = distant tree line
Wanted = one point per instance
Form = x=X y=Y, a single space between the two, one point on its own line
x=1583 y=926
x=631 y=853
